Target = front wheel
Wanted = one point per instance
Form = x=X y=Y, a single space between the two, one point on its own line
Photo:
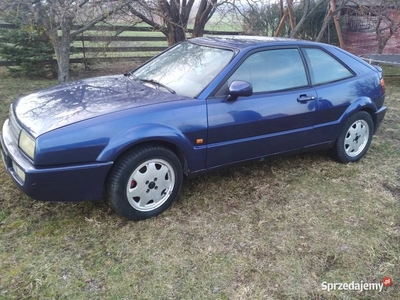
x=144 y=182
x=355 y=138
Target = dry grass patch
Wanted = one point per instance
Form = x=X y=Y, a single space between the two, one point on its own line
x=273 y=230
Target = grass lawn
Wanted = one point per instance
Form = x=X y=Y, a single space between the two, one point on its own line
x=272 y=230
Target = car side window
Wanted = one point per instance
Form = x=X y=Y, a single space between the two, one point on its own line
x=324 y=68
x=270 y=70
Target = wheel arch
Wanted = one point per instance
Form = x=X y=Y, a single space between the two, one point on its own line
x=361 y=104
x=371 y=112
x=156 y=142
x=168 y=137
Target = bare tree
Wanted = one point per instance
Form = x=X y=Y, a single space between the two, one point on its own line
x=56 y=18
x=384 y=14
x=334 y=10
x=306 y=10
x=171 y=16
x=257 y=17
x=268 y=18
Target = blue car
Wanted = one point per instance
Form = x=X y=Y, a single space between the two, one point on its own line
x=200 y=105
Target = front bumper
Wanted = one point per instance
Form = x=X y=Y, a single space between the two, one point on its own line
x=83 y=182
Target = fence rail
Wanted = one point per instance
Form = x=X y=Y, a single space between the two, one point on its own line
x=97 y=48
x=120 y=38
x=130 y=28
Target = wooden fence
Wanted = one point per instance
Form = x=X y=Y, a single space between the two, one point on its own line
x=116 y=44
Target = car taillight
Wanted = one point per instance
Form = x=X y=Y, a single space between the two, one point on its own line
x=383 y=86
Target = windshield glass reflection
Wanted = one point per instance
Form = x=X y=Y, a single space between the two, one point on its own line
x=186 y=68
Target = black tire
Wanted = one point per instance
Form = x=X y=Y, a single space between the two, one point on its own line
x=154 y=175
x=354 y=139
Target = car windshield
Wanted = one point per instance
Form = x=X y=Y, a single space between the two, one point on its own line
x=185 y=69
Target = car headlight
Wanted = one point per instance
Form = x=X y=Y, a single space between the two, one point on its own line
x=27 y=144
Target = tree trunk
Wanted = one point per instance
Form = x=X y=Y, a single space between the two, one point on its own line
x=382 y=41
x=205 y=12
x=333 y=11
x=337 y=24
x=324 y=25
x=381 y=36
x=281 y=23
x=291 y=15
x=306 y=9
x=175 y=34
x=62 y=50
x=198 y=30
x=281 y=8
x=174 y=17
x=62 y=56
x=175 y=24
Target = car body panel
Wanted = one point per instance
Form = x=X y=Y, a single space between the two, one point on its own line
x=82 y=128
x=63 y=105
x=83 y=182
x=105 y=138
x=257 y=126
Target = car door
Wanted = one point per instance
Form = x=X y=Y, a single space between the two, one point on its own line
x=276 y=118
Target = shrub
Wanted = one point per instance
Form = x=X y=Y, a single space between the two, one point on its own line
x=29 y=49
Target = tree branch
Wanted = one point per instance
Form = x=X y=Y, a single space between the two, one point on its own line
x=97 y=20
x=83 y=3
x=238 y=10
x=145 y=19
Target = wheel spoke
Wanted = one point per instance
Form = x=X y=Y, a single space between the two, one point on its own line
x=143 y=201
x=140 y=178
x=165 y=185
x=152 y=171
x=359 y=130
x=349 y=141
x=136 y=192
x=363 y=134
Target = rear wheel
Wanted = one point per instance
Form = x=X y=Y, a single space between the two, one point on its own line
x=355 y=138
x=144 y=182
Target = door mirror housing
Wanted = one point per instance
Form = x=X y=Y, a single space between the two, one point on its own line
x=239 y=88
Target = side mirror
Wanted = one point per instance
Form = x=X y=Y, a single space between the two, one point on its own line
x=239 y=88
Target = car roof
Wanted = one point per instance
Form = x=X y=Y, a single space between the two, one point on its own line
x=247 y=41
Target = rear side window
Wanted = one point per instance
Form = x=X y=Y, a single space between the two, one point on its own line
x=324 y=68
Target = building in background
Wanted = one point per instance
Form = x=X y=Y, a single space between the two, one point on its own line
x=371 y=27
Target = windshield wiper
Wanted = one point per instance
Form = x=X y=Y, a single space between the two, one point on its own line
x=151 y=81
x=159 y=84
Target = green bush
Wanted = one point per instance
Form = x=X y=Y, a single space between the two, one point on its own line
x=30 y=50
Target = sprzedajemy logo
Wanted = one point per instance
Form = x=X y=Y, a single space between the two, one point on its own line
x=356 y=286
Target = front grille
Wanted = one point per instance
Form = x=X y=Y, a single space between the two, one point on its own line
x=15 y=128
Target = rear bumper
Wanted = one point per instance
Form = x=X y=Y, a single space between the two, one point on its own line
x=82 y=182
x=378 y=117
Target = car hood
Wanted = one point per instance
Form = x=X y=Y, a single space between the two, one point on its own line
x=62 y=105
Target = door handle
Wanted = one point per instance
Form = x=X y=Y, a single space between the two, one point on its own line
x=305 y=98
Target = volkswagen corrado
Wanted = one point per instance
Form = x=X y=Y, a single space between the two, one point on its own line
x=201 y=104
